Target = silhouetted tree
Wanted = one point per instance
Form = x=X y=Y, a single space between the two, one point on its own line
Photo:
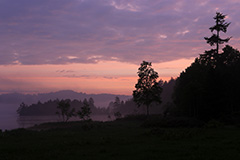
x=91 y=101
x=85 y=111
x=66 y=111
x=21 y=109
x=117 y=101
x=211 y=57
x=116 y=104
x=130 y=107
x=147 y=89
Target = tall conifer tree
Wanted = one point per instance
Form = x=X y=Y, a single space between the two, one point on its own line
x=211 y=57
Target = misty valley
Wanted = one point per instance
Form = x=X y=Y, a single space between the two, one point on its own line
x=19 y=110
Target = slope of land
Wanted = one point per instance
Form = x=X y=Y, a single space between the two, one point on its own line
x=120 y=139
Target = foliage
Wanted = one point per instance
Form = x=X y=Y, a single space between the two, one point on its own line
x=220 y=25
x=85 y=111
x=66 y=112
x=124 y=107
x=148 y=90
x=206 y=92
x=129 y=107
x=210 y=86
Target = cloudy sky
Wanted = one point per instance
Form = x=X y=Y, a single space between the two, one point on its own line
x=96 y=46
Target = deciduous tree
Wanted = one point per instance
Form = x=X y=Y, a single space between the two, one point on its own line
x=148 y=90
x=65 y=110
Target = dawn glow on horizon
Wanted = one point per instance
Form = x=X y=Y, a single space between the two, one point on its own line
x=96 y=46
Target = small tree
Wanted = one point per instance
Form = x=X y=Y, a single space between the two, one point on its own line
x=116 y=104
x=65 y=110
x=147 y=89
x=85 y=111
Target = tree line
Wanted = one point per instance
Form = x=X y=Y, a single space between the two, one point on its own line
x=208 y=89
x=65 y=108
x=116 y=108
x=131 y=107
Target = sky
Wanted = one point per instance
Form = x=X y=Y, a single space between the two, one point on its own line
x=96 y=46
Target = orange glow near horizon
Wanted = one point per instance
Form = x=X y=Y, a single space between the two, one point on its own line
x=103 y=77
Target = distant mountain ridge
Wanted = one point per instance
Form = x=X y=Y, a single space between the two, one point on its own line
x=101 y=100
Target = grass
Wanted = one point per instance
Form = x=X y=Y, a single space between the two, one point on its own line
x=121 y=139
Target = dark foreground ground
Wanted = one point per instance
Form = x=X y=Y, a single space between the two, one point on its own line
x=121 y=139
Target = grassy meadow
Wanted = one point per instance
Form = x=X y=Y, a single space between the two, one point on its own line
x=121 y=139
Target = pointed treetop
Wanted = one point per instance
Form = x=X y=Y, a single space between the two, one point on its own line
x=211 y=57
x=220 y=26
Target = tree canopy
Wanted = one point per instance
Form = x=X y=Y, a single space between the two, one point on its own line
x=148 y=90
x=85 y=111
x=209 y=87
x=65 y=110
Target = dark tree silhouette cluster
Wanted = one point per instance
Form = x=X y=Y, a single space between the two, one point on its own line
x=65 y=109
x=209 y=88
